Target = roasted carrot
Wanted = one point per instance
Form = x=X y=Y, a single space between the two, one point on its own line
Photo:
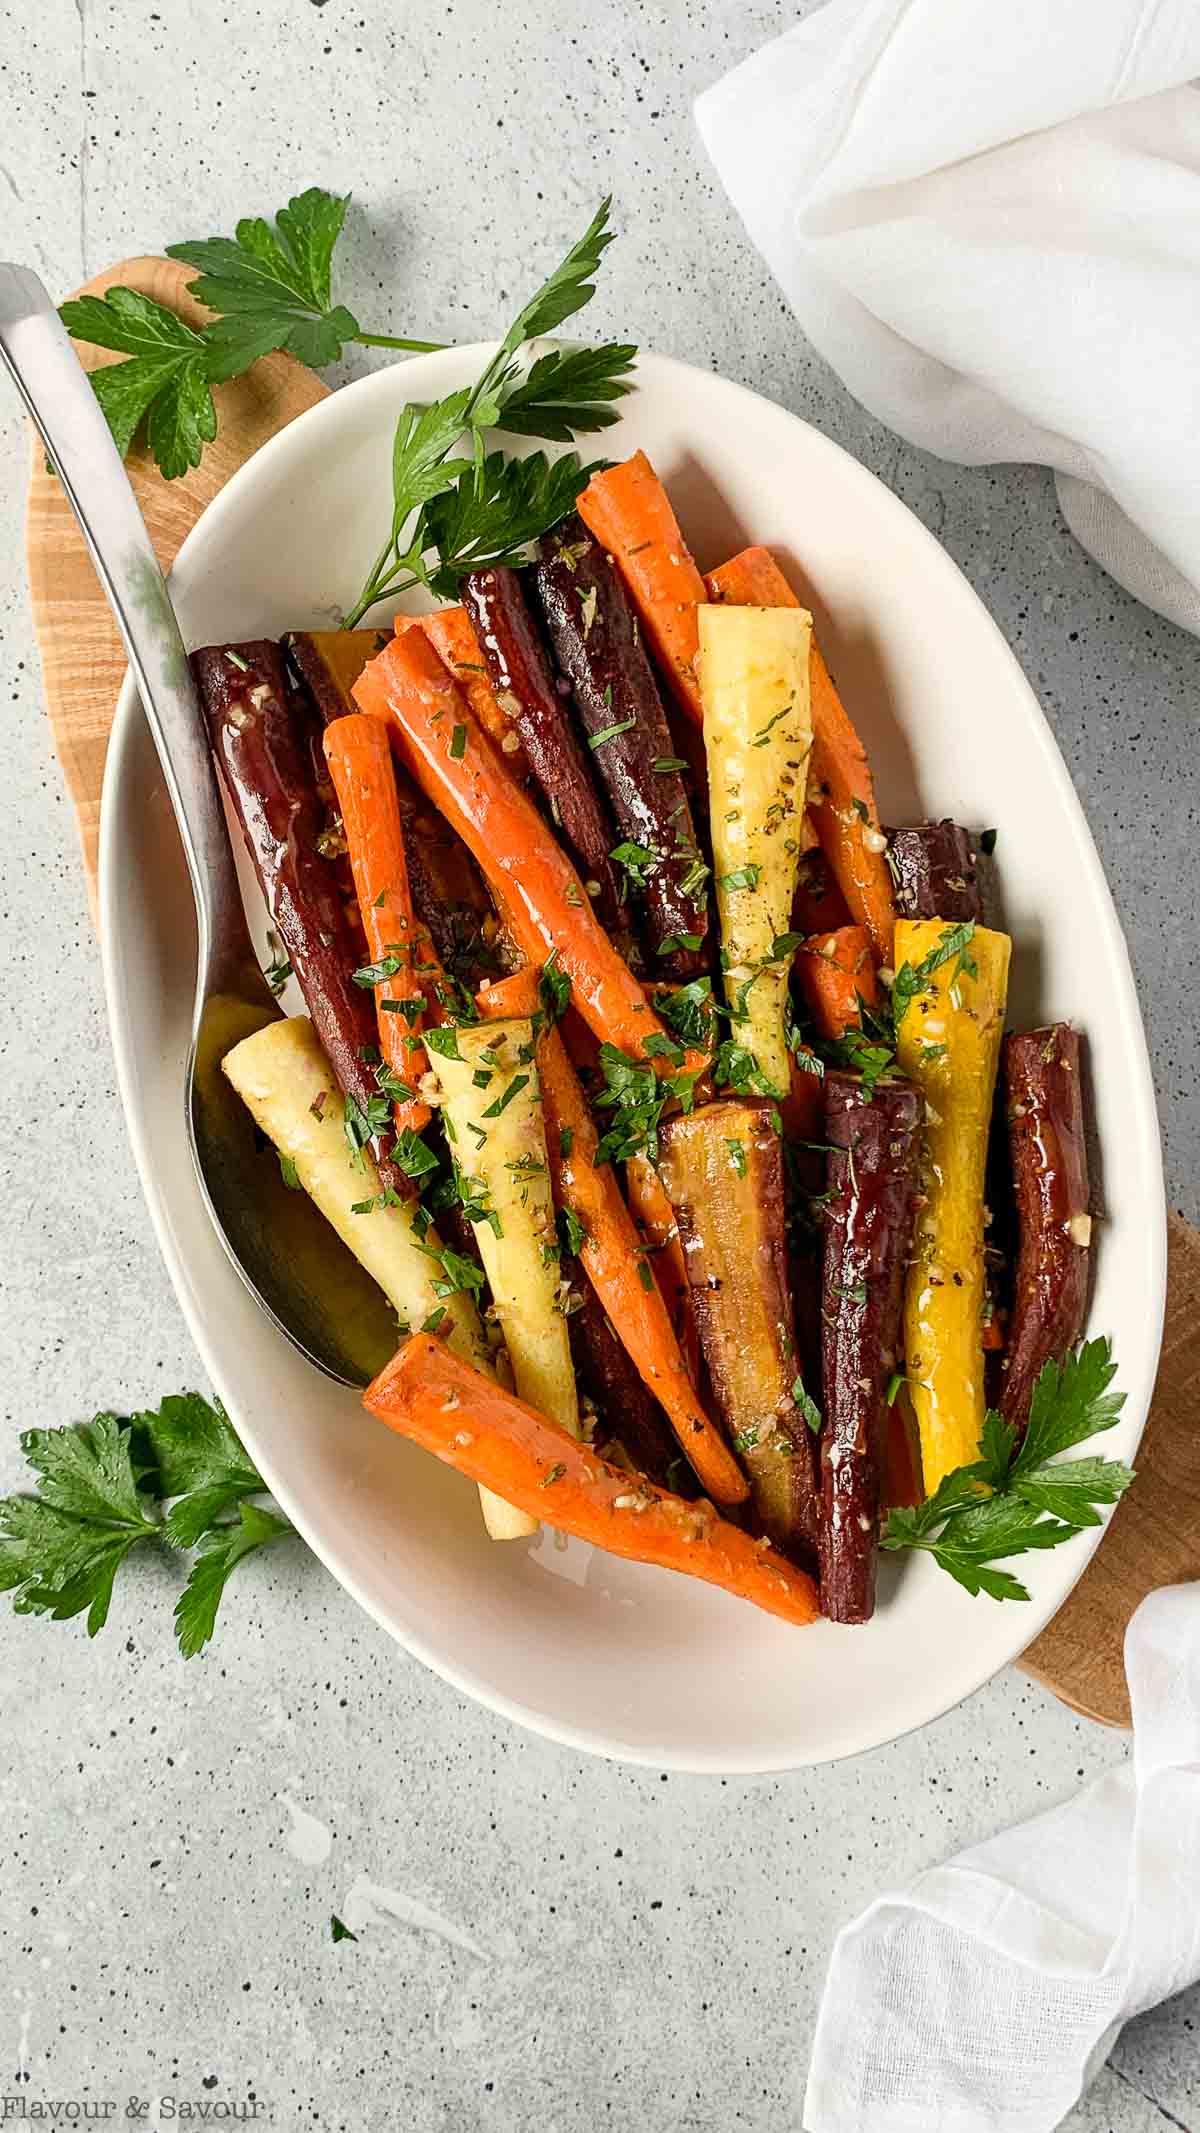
x=612 y=1254
x=630 y=514
x=450 y=633
x=360 y=764
x=836 y=972
x=440 y=1403
x=655 y=1218
x=818 y=906
x=517 y=996
x=841 y=795
x=538 y=891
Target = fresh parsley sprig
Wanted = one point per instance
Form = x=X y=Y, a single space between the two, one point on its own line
x=457 y=507
x=270 y=286
x=1015 y=1498
x=104 y=1488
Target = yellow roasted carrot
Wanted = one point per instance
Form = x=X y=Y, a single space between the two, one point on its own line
x=950 y=991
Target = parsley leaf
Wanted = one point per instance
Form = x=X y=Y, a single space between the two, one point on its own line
x=566 y=291
x=338 y=1931
x=99 y=1491
x=484 y=508
x=273 y=286
x=220 y=1550
x=490 y=512
x=1037 y=1499
x=61 y=1549
x=565 y=393
x=199 y=1460
x=165 y=383
x=1069 y=1404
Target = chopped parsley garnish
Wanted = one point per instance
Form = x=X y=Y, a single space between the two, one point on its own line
x=910 y=982
x=554 y=988
x=388 y=966
x=636 y=859
x=278 y=970
x=665 y=764
x=458 y=743
x=746 y=877
x=737 y=1156
x=555 y=1474
x=676 y=941
x=764 y=732
x=515 y=1086
x=288 y=1172
x=411 y=1155
x=571 y=1231
x=458 y=1273
x=807 y=1405
x=444 y=1041
x=609 y=733
x=361 y=1125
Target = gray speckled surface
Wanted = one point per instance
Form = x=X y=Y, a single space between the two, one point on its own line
x=651 y=1951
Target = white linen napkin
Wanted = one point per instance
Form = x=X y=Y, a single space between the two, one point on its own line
x=985 y=1998
x=986 y=216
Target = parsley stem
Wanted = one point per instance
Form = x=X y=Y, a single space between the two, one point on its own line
x=389 y=340
x=376 y=589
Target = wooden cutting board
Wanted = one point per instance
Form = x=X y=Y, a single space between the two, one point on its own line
x=1154 y=1538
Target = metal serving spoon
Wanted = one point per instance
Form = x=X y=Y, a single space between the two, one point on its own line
x=289 y=1257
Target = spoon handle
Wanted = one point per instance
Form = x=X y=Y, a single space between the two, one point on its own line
x=47 y=373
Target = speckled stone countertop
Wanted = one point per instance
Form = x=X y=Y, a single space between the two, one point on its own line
x=558 y=1943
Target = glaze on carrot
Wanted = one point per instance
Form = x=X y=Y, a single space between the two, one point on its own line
x=612 y=1254
x=440 y=1403
x=841 y=794
x=630 y=514
x=655 y=1218
x=360 y=763
x=450 y=633
x=836 y=974
x=537 y=890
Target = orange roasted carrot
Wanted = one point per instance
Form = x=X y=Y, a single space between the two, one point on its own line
x=360 y=764
x=612 y=1254
x=537 y=890
x=463 y=1418
x=841 y=794
x=450 y=633
x=818 y=905
x=630 y=514
x=514 y=998
x=836 y=973
x=655 y=1217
